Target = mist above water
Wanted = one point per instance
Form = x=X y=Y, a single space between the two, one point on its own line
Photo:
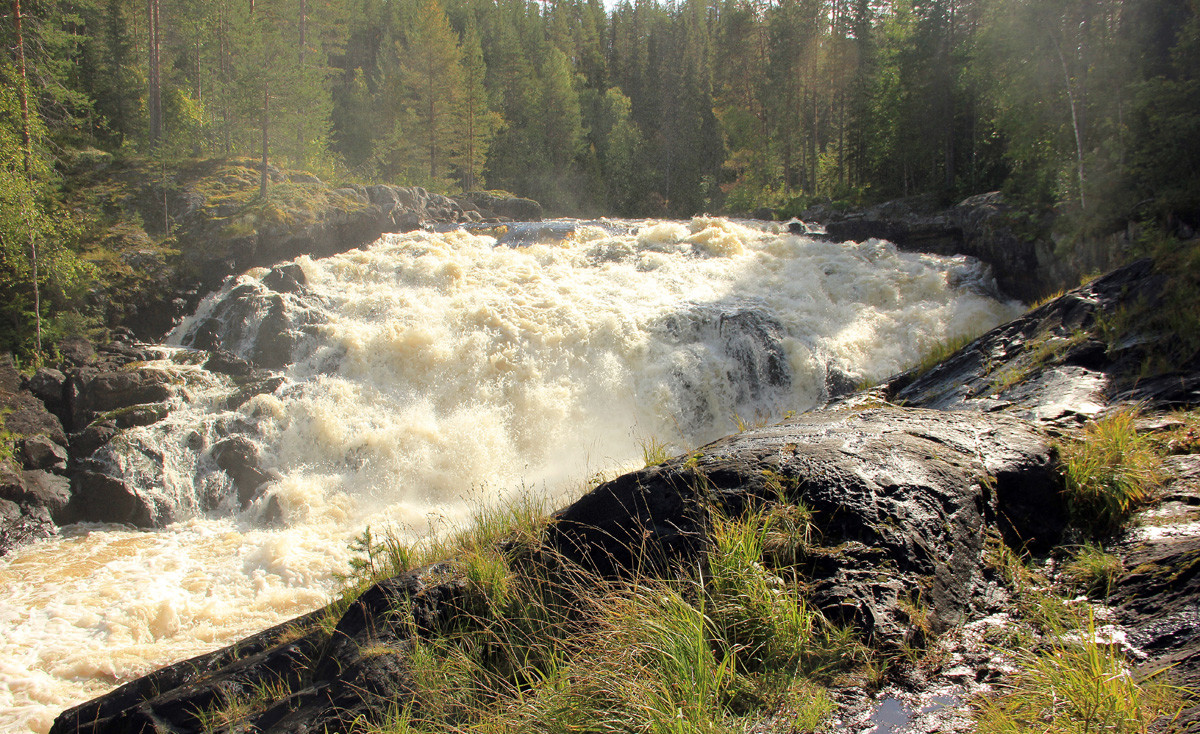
x=431 y=370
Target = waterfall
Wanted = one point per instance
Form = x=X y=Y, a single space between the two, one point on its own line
x=436 y=369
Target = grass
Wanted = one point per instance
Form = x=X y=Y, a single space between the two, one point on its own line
x=1068 y=679
x=1110 y=472
x=546 y=647
x=1094 y=570
x=1078 y=685
x=237 y=708
x=655 y=452
x=939 y=351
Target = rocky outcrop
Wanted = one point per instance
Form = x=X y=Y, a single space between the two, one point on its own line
x=901 y=503
x=182 y=232
x=498 y=207
x=63 y=419
x=1027 y=260
x=1056 y=363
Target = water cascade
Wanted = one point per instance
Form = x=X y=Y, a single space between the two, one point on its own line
x=433 y=370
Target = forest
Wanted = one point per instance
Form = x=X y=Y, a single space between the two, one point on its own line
x=646 y=108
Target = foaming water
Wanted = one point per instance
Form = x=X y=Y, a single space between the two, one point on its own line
x=432 y=369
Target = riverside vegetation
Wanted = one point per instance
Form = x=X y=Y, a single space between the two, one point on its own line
x=738 y=586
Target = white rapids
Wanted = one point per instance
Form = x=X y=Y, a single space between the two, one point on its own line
x=435 y=370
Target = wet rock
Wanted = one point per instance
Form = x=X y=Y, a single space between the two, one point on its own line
x=227 y=363
x=139 y=415
x=900 y=498
x=51 y=491
x=1049 y=363
x=747 y=345
x=1158 y=604
x=287 y=278
x=20 y=524
x=98 y=497
x=250 y=388
x=275 y=342
x=39 y=452
x=86 y=442
x=93 y=393
x=239 y=457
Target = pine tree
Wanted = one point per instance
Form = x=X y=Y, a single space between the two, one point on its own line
x=432 y=77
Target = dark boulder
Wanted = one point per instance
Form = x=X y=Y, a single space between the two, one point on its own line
x=24 y=414
x=86 y=442
x=287 y=278
x=94 y=392
x=226 y=363
x=39 y=452
x=49 y=385
x=906 y=491
x=51 y=491
x=239 y=457
x=98 y=497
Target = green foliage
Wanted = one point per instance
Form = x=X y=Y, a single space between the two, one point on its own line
x=1109 y=472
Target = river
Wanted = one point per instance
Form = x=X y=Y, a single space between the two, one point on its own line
x=432 y=371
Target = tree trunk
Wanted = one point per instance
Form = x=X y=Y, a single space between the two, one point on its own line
x=1075 y=122
x=154 y=103
x=27 y=156
x=266 y=119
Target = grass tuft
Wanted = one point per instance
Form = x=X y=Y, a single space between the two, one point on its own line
x=1078 y=686
x=1094 y=570
x=1109 y=473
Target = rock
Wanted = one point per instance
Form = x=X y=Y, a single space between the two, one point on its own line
x=48 y=490
x=98 y=497
x=287 y=278
x=19 y=525
x=93 y=393
x=85 y=442
x=23 y=414
x=1049 y=364
x=139 y=415
x=49 y=386
x=908 y=492
x=1158 y=604
x=252 y=387
x=491 y=205
x=238 y=457
x=275 y=342
x=227 y=363
x=76 y=351
x=39 y=452
x=25 y=506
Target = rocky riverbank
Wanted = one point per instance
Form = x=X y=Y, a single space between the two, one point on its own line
x=1029 y=260
x=906 y=494
x=162 y=240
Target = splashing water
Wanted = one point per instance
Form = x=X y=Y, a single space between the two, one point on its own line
x=431 y=369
